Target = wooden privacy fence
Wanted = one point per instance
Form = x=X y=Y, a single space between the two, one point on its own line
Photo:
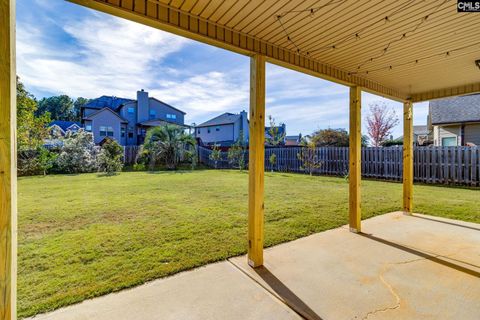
x=441 y=165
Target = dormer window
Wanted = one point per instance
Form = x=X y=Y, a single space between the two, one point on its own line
x=152 y=114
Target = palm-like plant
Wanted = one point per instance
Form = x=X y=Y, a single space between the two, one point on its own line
x=168 y=143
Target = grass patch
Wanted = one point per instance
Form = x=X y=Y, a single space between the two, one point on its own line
x=81 y=236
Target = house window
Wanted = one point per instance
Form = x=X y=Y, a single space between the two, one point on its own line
x=88 y=127
x=208 y=130
x=217 y=129
x=131 y=110
x=130 y=135
x=171 y=116
x=449 y=142
x=106 y=131
x=152 y=114
x=198 y=131
x=122 y=132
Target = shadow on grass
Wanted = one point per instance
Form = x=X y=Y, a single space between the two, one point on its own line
x=424 y=255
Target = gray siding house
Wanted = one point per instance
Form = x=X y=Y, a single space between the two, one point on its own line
x=223 y=130
x=455 y=121
x=127 y=120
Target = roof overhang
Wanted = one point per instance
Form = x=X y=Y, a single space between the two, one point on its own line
x=403 y=50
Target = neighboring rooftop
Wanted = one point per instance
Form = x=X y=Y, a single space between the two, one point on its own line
x=455 y=110
x=110 y=102
x=64 y=125
x=225 y=118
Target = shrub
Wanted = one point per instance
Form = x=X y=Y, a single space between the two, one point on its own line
x=34 y=162
x=78 y=153
x=216 y=154
x=109 y=159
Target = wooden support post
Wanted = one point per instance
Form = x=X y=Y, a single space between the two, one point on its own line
x=407 y=157
x=256 y=164
x=355 y=149
x=8 y=168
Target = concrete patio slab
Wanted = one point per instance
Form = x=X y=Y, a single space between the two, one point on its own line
x=216 y=291
x=400 y=267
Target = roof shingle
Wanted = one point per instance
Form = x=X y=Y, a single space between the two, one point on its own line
x=455 y=110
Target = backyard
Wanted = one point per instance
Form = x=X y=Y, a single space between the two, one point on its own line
x=85 y=235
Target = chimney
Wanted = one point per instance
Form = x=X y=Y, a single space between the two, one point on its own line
x=142 y=106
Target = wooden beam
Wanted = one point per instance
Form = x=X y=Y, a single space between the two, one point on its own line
x=446 y=92
x=256 y=164
x=407 y=157
x=355 y=152
x=8 y=168
x=188 y=25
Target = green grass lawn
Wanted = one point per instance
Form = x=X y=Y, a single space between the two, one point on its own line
x=81 y=236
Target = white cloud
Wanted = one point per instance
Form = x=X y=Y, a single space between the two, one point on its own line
x=109 y=56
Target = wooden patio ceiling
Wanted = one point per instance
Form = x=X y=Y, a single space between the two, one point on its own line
x=407 y=49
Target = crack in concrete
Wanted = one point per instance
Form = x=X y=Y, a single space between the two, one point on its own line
x=390 y=287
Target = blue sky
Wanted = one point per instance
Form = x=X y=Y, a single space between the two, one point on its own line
x=63 y=48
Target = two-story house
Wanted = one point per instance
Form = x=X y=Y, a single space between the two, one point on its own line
x=224 y=129
x=127 y=120
x=455 y=121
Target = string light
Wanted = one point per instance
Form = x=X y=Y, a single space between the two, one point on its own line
x=355 y=35
x=404 y=35
x=416 y=61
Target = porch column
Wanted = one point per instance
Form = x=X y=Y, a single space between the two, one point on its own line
x=256 y=164
x=8 y=168
x=355 y=152
x=407 y=157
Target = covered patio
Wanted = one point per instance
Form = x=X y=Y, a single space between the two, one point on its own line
x=405 y=50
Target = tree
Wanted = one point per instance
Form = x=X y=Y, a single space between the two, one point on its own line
x=169 y=144
x=216 y=154
x=380 y=123
x=273 y=160
x=330 y=138
x=31 y=130
x=308 y=157
x=77 y=107
x=274 y=137
x=60 y=108
x=236 y=153
x=109 y=158
x=78 y=153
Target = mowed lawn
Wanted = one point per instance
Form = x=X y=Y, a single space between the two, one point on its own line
x=81 y=236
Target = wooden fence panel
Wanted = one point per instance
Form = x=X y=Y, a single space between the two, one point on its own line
x=440 y=165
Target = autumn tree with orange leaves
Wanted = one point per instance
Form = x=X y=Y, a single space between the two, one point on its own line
x=380 y=123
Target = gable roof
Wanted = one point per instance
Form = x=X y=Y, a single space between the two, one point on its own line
x=64 y=125
x=420 y=130
x=111 y=102
x=90 y=116
x=166 y=104
x=225 y=118
x=455 y=110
